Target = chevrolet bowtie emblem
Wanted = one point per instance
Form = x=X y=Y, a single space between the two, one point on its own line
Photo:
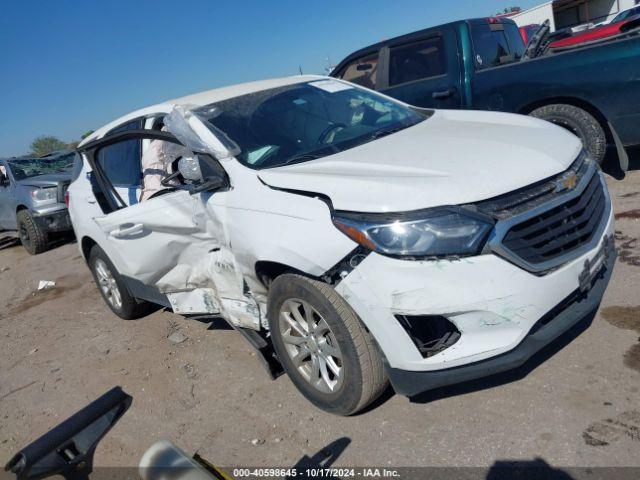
x=568 y=182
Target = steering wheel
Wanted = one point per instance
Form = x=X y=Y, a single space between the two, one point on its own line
x=325 y=136
x=176 y=174
x=164 y=191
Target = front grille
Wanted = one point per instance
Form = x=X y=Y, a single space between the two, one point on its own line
x=559 y=230
x=549 y=223
x=527 y=198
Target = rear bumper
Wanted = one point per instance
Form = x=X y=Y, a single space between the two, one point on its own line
x=57 y=221
x=566 y=315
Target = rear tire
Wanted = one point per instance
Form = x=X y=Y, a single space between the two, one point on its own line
x=33 y=238
x=340 y=343
x=113 y=288
x=579 y=122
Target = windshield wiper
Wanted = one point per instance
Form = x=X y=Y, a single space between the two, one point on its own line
x=302 y=158
x=388 y=131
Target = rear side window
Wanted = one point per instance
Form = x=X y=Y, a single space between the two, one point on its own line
x=120 y=162
x=415 y=61
x=515 y=41
x=496 y=44
x=362 y=71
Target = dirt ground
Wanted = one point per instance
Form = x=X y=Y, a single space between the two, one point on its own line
x=575 y=404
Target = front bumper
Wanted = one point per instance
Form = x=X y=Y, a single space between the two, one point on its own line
x=493 y=303
x=564 y=316
x=57 y=221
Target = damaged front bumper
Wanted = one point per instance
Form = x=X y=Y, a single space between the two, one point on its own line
x=573 y=310
x=502 y=313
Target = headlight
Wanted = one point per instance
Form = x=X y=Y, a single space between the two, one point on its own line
x=438 y=232
x=45 y=194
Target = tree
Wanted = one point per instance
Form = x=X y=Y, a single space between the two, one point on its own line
x=45 y=144
x=510 y=10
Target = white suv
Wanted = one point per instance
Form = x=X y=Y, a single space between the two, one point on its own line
x=353 y=239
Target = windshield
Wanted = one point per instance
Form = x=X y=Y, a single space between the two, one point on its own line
x=22 y=168
x=305 y=121
x=626 y=14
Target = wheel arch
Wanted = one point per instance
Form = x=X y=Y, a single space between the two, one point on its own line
x=576 y=102
x=267 y=271
x=21 y=207
x=86 y=244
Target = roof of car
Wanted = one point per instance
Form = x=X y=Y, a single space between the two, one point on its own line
x=202 y=98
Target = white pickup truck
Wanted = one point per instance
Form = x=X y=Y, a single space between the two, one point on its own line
x=354 y=239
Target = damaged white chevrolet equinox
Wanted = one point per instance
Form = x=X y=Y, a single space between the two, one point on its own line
x=352 y=239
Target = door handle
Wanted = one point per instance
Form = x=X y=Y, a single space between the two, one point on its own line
x=90 y=200
x=443 y=94
x=127 y=229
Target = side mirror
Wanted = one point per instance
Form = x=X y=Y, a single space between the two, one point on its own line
x=4 y=180
x=205 y=173
x=68 y=449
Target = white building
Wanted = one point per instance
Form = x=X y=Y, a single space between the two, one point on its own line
x=569 y=13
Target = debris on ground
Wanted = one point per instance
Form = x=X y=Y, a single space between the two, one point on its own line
x=257 y=441
x=190 y=370
x=46 y=285
x=177 y=337
x=4 y=269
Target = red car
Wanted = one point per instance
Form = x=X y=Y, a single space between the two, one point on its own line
x=598 y=33
x=528 y=31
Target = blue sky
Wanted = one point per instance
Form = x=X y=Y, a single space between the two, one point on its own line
x=70 y=66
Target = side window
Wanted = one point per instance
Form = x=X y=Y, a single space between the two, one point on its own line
x=515 y=41
x=362 y=71
x=416 y=61
x=490 y=46
x=120 y=162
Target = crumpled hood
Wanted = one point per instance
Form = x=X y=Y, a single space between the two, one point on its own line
x=454 y=157
x=50 y=180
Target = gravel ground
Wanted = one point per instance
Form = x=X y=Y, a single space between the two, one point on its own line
x=574 y=405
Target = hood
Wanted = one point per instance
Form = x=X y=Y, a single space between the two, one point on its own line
x=50 y=180
x=452 y=158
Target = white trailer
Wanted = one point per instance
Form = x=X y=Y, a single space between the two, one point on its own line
x=572 y=13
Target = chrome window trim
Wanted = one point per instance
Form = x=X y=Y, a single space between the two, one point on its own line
x=503 y=226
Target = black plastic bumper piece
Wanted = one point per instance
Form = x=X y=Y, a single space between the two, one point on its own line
x=54 y=222
x=567 y=314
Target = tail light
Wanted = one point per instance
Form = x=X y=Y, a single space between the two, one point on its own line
x=66 y=198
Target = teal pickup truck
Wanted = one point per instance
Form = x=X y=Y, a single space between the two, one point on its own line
x=592 y=90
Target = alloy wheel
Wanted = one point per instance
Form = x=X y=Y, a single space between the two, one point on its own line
x=107 y=284
x=311 y=345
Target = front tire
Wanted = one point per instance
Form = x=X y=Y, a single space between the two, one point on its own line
x=322 y=345
x=579 y=122
x=113 y=288
x=33 y=238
